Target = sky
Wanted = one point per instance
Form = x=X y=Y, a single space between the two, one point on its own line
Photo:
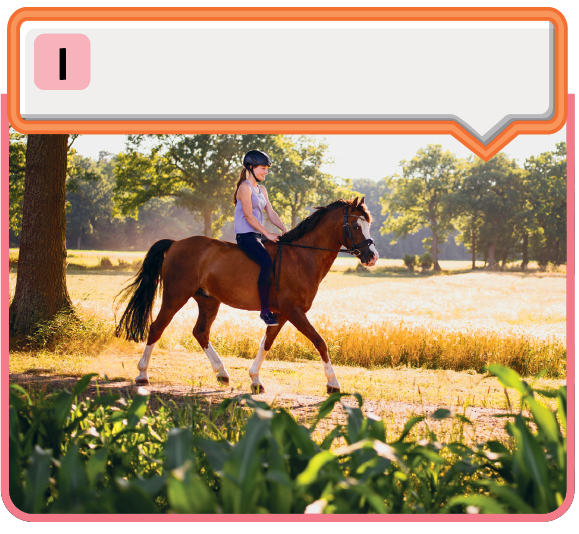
x=365 y=156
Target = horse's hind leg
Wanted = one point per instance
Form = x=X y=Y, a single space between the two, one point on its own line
x=165 y=316
x=266 y=343
x=208 y=308
x=298 y=318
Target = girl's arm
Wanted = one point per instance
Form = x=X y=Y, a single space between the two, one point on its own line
x=244 y=195
x=272 y=215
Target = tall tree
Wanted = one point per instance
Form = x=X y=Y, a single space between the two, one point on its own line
x=198 y=171
x=298 y=182
x=420 y=197
x=546 y=181
x=503 y=206
x=41 y=282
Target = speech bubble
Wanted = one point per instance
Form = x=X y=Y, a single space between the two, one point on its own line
x=483 y=76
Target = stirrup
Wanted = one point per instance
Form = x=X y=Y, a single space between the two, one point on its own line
x=269 y=319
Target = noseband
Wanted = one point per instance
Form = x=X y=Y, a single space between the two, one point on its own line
x=354 y=250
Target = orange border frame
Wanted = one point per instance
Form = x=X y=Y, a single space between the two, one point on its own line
x=292 y=127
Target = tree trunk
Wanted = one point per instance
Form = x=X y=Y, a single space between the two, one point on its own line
x=207 y=222
x=294 y=218
x=492 y=248
x=436 y=266
x=473 y=245
x=41 y=282
x=525 y=251
x=79 y=239
x=549 y=249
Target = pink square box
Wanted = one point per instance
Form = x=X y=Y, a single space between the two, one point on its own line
x=49 y=61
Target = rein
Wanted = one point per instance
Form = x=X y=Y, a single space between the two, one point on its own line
x=354 y=250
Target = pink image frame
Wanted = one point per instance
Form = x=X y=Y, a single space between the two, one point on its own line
x=165 y=518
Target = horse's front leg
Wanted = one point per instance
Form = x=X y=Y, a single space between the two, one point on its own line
x=298 y=318
x=266 y=343
x=208 y=308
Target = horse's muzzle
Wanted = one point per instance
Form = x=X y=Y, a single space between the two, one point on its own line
x=370 y=260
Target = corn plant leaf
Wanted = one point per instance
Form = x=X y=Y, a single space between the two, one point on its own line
x=545 y=420
x=151 y=486
x=37 y=480
x=15 y=487
x=332 y=435
x=327 y=407
x=311 y=472
x=83 y=383
x=413 y=421
x=509 y=378
x=508 y=496
x=441 y=413
x=132 y=500
x=136 y=410
x=215 y=452
x=374 y=500
x=531 y=460
x=96 y=465
x=179 y=448
x=61 y=407
x=486 y=505
x=188 y=494
x=72 y=482
x=105 y=400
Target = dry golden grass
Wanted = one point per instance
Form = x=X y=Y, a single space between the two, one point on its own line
x=459 y=322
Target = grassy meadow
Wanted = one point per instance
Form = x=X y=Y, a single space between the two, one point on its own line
x=374 y=322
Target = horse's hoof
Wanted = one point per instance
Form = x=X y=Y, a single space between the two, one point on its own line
x=256 y=390
x=142 y=381
x=332 y=389
x=224 y=380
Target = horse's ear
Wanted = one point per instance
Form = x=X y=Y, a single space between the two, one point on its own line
x=362 y=201
x=355 y=202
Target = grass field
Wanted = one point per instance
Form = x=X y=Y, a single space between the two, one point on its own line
x=391 y=336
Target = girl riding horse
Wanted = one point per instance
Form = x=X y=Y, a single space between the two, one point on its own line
x=250 y=199
x=212 y=272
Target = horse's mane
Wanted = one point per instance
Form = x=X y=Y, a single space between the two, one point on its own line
x=310 y=222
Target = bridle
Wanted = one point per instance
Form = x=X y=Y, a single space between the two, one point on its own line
x=354 y=250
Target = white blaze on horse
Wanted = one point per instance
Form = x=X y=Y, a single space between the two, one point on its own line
x=213 y=272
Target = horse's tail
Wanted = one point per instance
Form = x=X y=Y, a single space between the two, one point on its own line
x=136 y=319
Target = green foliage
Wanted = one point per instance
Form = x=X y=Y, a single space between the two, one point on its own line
x=419 y=198
x=425 y=261
x=198 y=171
x=546 y=183
x=297 y=182
x=410 y=261
x=16 y=169
x=502 y=211
x=115 y=455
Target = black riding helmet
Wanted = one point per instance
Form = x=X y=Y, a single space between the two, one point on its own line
x=254 y=158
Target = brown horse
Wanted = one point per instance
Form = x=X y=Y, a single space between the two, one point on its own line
x=213 y=272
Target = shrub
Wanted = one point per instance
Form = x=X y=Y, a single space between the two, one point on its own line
x=410 y=261
x=425 y=261
x=105 y=263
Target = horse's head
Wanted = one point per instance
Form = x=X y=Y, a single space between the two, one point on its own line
x=356 y=235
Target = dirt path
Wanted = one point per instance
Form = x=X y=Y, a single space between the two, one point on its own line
x=305 y=407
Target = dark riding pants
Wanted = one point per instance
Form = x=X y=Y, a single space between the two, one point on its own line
x=251 y=244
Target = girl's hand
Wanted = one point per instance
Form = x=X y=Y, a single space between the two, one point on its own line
x=272 y=237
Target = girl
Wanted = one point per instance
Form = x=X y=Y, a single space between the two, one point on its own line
x=250 y=199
